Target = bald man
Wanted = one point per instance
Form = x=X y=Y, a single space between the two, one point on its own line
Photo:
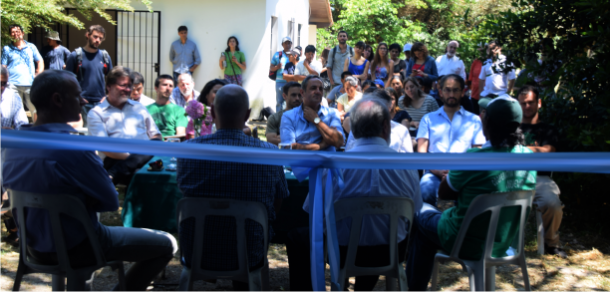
x=230 y=180
x=449 y=63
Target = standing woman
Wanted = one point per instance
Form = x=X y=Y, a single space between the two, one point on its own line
x=400 y=66
x=232 y=61
x=358 y=65
x=421 y=64
x=382 y=67
x=369 y=55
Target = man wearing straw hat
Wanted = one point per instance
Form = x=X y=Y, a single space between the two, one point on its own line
x=54 y=55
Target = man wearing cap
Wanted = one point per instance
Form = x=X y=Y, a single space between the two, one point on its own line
x=278 y=63
x=450 y=63
x=293 y=57
x=336 y=58
x=407 y=50
x=450 y=129
x=493 y=80
x=542 y=138
x=54 y=55
x=437 y=230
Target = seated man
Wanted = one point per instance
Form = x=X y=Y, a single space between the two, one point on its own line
x=292 y=95
x=13 y=114
x=229 y=180
x=138 y=89
x=184 y=93
x=337 y=91
x=450 y=129
x=371 y=127
x=312 y=126
x=400 y=138
x=169 y=118
x=120 y=117
x=57 y=98
x=436 y=230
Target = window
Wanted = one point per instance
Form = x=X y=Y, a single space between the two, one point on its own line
x=299 y=35
x=291 y=30
x=273 y=46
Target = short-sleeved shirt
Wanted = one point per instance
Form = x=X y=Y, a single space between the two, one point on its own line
x=336 y=61
x=347 y=104
x=541 y=134
x=417 y=114
x=451 y=136
x=55 y=58
x=168 y=117
x=273 y=123
x=289 y=68
x=471 y=184
x=93 y=82
x=295 y=128
x=301 y=70
x=276 y=60
x=232 y=69
x=21 y=63
x=11 y=107
x=131 y=122
x=495 y=82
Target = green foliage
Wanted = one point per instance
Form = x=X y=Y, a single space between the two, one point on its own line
x=44 y=13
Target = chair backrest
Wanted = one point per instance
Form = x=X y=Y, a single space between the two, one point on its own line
x=199 y=208
x=494 y=203
x=55 y=204
x=357 y=208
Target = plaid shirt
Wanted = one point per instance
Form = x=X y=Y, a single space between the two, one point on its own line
x=11 y=110
x=228 y=180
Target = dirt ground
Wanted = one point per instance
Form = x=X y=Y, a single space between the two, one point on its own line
x=587 y=268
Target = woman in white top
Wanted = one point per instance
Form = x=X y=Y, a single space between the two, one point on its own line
x=416 y=102
x=345 y=101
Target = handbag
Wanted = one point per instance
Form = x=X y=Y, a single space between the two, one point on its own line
x=273 y=74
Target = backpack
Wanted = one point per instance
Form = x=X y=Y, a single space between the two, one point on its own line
x=273 y=74
x=351 y=52
x=79 y=60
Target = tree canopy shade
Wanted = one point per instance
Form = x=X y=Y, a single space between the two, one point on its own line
x=44 y=13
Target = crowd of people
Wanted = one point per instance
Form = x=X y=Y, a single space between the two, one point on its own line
x=353 y=99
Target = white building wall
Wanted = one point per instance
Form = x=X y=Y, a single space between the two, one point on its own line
x=211 y=22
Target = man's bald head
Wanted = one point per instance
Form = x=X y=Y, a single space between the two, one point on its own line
x=370 y=118
x=231 y=107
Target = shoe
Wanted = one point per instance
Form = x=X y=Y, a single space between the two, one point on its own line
x=553 y=250
x=12 y=239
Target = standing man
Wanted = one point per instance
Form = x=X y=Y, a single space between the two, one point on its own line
x=542 y=138
x=336 y=58
x=169 y=118
x=137 y=93
x=184 y=54
x=450 y=63
x=185 y=91
x=91 y=64
x=294 y=99
x=312 y=126
x=407 y=50
x=493 y=81
x=309 y=66
x=278 y=62
x=473 y=78
x=55 y=55
x=19 y=58
x=450 y=129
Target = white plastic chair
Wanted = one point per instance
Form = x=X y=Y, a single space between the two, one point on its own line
x=482 y=273
x=356 y=208
x=539 y=230
x=79 y=279
x=199 y=208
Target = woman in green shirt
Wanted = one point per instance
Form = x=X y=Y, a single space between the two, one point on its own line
x=232 y=61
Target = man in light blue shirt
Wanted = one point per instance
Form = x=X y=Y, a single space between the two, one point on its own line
x=450 y=129
x=278 y=62
x=312 y=126
x=184 y=54
x=19 y=58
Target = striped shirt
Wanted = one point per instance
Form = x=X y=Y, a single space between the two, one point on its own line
x=416 y=114
x=11 y=108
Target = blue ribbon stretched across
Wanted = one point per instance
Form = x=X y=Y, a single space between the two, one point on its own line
x=321 y=203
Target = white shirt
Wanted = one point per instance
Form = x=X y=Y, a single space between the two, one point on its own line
x=11 y=110
x=454 y=65
x=451 y=136
x=495 y=82
x=145 y=100
x=301 y=70
x=131 y=122
x=400 y=139
x=376 y=183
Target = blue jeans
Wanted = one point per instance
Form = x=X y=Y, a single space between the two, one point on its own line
x=424 y=245
x=428 y=185
x=279 y=98
x=151 y=250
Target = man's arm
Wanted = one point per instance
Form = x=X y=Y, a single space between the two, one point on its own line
x=422 y=145
x=329 y=66
x=511 y=85
x=180 y=131
x=276 y=63
x=172 y=54
x=196 y=57
x=288 y=77
x=307 y=66
x=39 y=67
x=330 y=135
x=273 y=138
x=542 y=149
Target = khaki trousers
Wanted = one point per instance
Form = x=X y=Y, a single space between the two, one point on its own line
x=549 y=204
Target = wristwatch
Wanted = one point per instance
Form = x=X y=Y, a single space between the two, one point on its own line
x=316 y=120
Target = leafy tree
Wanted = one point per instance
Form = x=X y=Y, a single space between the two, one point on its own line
x=44 y=13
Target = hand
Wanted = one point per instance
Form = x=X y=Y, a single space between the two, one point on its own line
x=234 y=60
x=309 y=114
x=223 y=58
x=323 y=145
x=414 y=124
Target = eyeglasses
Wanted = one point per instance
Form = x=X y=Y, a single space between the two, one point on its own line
x=454 y=90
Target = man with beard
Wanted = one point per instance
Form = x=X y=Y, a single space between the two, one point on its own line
x=184 y=92
x=169 y=117
x=450 y=129
x=450 y=63
x=294 y=98
x=336 y=58
x=118 y=116
x=91 y=64
x=312 y=126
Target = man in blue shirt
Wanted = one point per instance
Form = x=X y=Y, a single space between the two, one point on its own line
x=337 y=91
x=184 y=54
x=19 y=58
x=91 y=67
x=312 y=126
x=55 y=55
x=450 y=129
x=278 y=62
x=57 y=96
